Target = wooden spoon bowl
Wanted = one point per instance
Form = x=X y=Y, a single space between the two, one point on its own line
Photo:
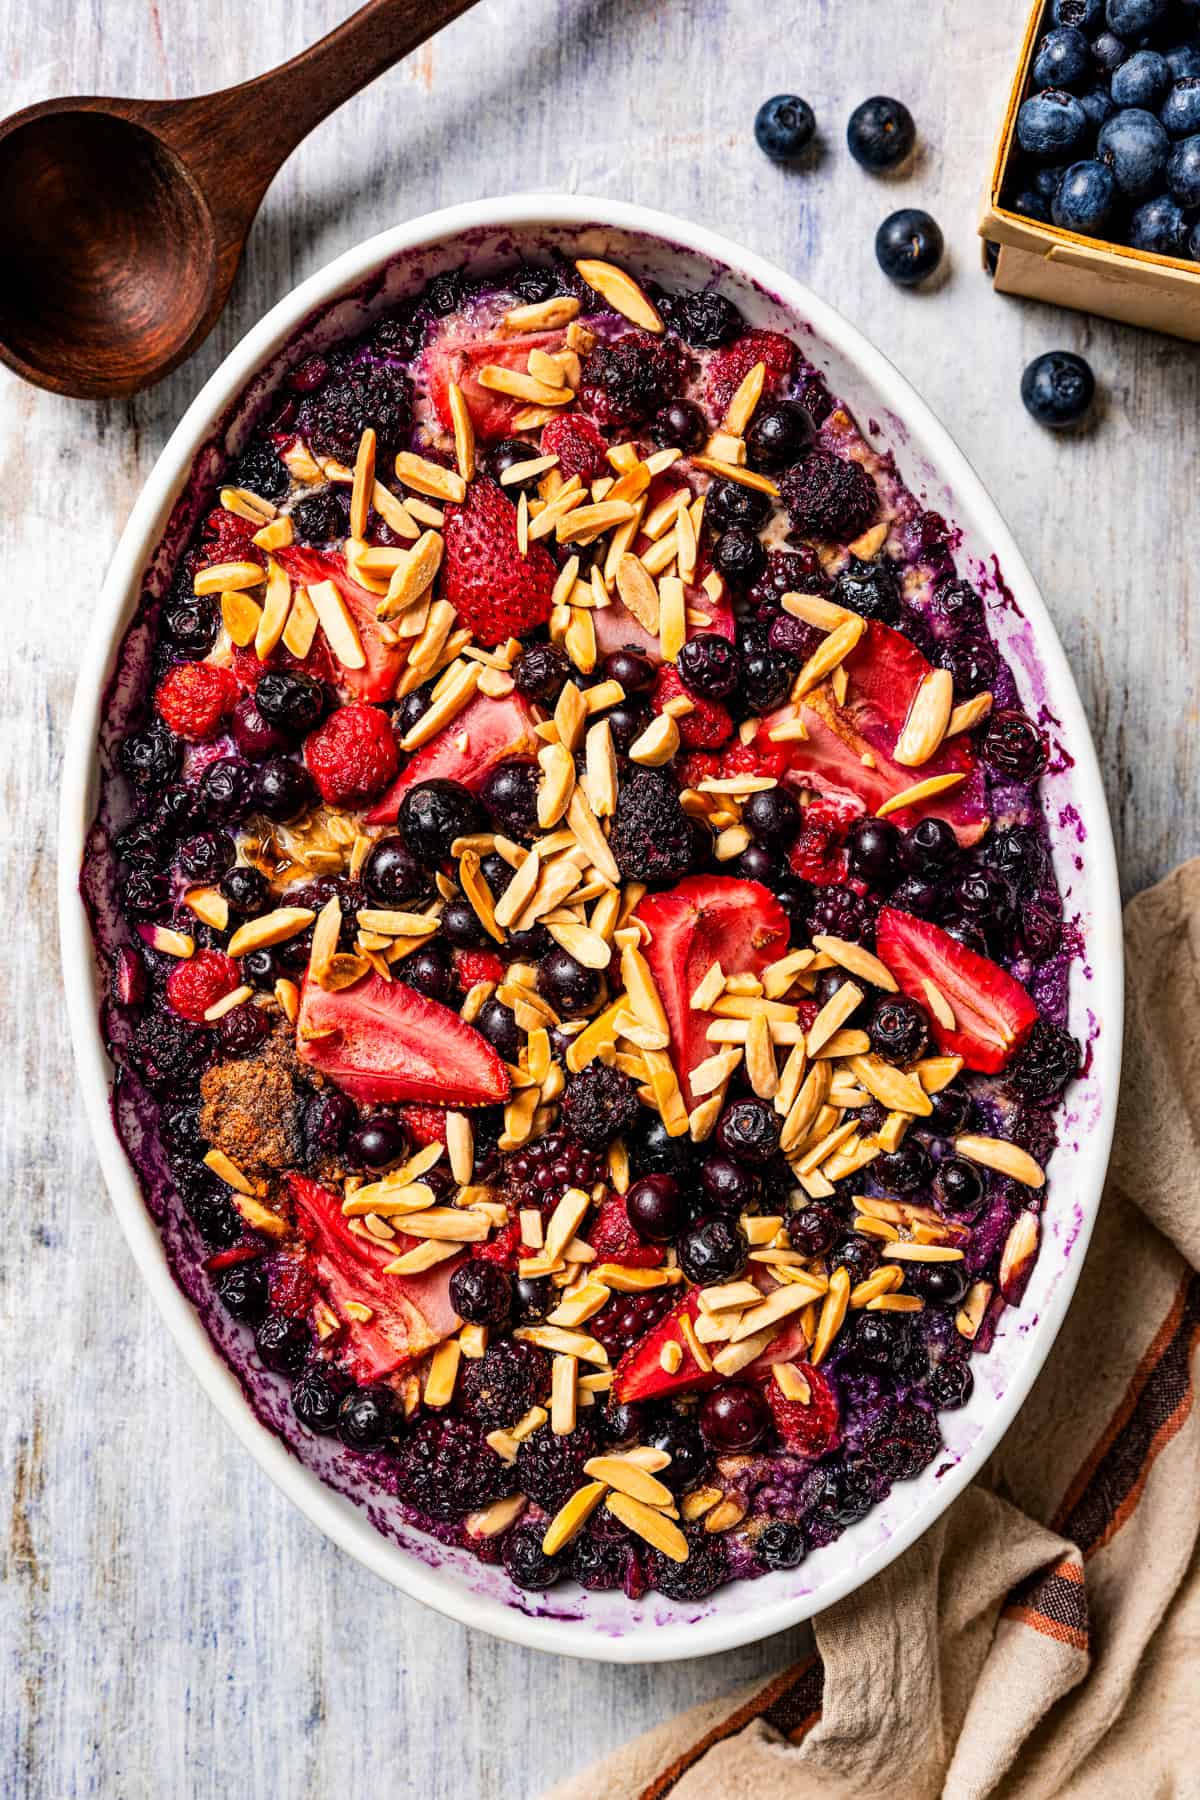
x=126 y=219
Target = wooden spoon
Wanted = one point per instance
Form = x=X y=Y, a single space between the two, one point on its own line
x=126 y=219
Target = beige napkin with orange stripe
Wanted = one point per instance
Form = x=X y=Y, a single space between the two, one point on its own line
x=1041 y=1639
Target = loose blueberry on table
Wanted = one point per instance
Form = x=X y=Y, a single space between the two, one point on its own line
x=588 y=954
x=1108 y=138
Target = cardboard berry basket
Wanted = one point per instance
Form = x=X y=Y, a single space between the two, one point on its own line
x=1042 y=262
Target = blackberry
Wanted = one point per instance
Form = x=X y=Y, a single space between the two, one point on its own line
x=327 y=1119
x=840 y=912
x=168 y=1053
x=705 y=1569
x=481 y=1292
x=541 y=1173
x=550 y=1464
x=144 y=893
x=903 y=1440
x=1045 y=1063
x=597 y=1560
x=652 y=839
x=320 y=518
x=446 y=1469
x=526 y=1562
x=358 y=393
x=787 y=572
x=400 y=332
x=532 y=283
x=812 y=391
x=600 y=1104
x=242 y=1291
x=828 y=496
x=445 y=293
x=839 y=1494
x=625 y=1319
x=149 y=759
x=705 y=320
x=261 y=469
x=869 y=589
x=627 y=381
x=500 y=1386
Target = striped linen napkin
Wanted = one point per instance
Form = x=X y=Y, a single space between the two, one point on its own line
x=1041 y=1639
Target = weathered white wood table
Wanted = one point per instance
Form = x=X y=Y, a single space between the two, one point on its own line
x=169 y=1625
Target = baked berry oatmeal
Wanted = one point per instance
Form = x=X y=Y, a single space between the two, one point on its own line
x=589 y=959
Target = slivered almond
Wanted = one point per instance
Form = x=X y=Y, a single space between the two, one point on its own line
x=657 y=744
x=601 y=764
x=920 y=791
x=565 y=1343
x=271 y=928
x=590 y=838
x=413 y=578
x=761 y=1068
x=891 y=1086
x=731 y=471
x=492 y=1520
x=709 y=989
x=968 y=714
x=808 y=1103
x=565 y=1220
x=337 y=623
x=638 y=592
x=464 y=431
x=777 y=1306
x=219 y=576
x=581 y=1305
x=621 y=292
x=672 y=617
x=449 y=1224
x=247 y=505
x=900 y=1303
x=826 y=615
x=443 y=1373
x=570 y=1519
x=240 y=616
x=625 y=1476
x=520 y=386
x=393 y=512
x=904 y=1252
x=1017 y=1258
x=725 y=1515
x=836 y=1010
x=460 y=1147
x=1003 y=1157
x=881 y=1281
x=557 y=784
x=301 y=626
x=421 y=1257
x=464 y=679
x=939 y=1006
x=970 y=1314
x=928 y=718
x=712 y=1074
x=430 y=478
x=833 y=1312
x=829 y=655
x=937 y=1072
x=732 y=1358
x=277 y=601
x=586 y=523
x=653 y=1526
x=260 y=1218
x=858 y=961
x=364 y=484
x=747 y=396
x=734 y=1294
x=564 y=1373
x=227 y=1171
x=542 y=315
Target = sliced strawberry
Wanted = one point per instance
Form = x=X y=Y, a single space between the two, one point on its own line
x=377 y=680
x=993 y=1013
x=617 y=629
x=226 y=1259
x=728 y=368
x=706 y=919
x=613 y=1238
x=409 y=1314
x=424 y=1124
x=847 y=754
x=382 y=1041
x=806 y=1430
x=709 y=723
x=485 y=733
x=460 y=359
x=640 y=1374
x=495 y=589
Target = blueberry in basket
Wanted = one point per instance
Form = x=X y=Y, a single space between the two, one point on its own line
x=540 y=1005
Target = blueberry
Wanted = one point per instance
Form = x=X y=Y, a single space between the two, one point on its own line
x=1143 y=80
x=767 y=676
x=509 y=792
x=728 y=1186
x=526 y=1563
x=260 y=969
x=191 y=624
x=365 y=1417
x=433 y=814
x=813 y=1229
x=243 y=1031
x=1031 y=205
x=898 y=1029
x=206 y=856
x=951 y=1110
x=509 y=454
x=748 y=1130
x=461 y=927
x=1085 y=199
x=315 y=1401
x=327 y=1119
x=1183 y=60
x=784 y=127
x=377 y=1142
x=151 y=758
x=1084 y=15
x=874 y=851
x=958 y=1187
x=228 y=789
x=880 y=133
x=541 y=672
x=731 y=503
x=738 y=555
x=1183 y=174
x=391 y=875
x=951 y=1384
x=1135 y=147
x=655 y=1208
x=930 y=847
x=734 y=1418
x=909 y=246
x=1159 y=226
x=680 y=1438
x=708 y=665
x=1058 y=388
x=427 y=972
x=779 y=435
x=945 y=1282
x=242 y=1291
x=631 y=669
x=680 y=425
x=497 y=1024
x=282 y=1343
x=714 y=1249
x=1063 y=59
x=781 y=1545
x=1109 y=51
x=653 y=1148
x=481 y=1292
x=869 y=589
x=280 y=789
x=906 y=1169
x=569 y=986
x=1130 y=18
x=1051 y=125
x=1014 y=745
x=1097 y=104
x=1047 y=180
x=972 y=663
x=290 y=701
x=772 y=817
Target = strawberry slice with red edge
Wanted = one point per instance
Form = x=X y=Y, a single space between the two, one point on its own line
x=460 y=359
x=613 y=1238
x=640 y=1374
x=409 y=1313
x=847 y=754
x=485 y=733
x=706 y=919
x=424 y=1124
x=382 y=1041
x=806 y=1430
x=993 y=1013
x=377 y=679
x=707 y=726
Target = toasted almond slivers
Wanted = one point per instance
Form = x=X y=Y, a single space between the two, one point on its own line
x=1005 y=1158
x=464 y=679
x=742 y=405
x=271 y=928
x=921 y=791
x=731 y=471
x=259 y=1217
x=638 y=592
x=826 y=615
x=542 y=315
x=657 y=744
x=563 y=1395
x=891 y=1086
x=906 y=1303
x=557 y=784
x=833 y=1015
x=621 y=292
x=422 y=1257
x=570 y=1519
x=928 y=718
x=226 y=1170
x=430 y=478
x=833 y=1312
x=219 y=576
x=650 y=1524
x=492 y=1520
x=858 y=961
x=829 y=655
x=778 y=1305
x=241 y=616
x=565 y=1343
x=881 y=1281
x=601 y=764
x=968 y=714
x=412 y=578
x=337 y=622
x=443 y=1373
x=814 y=1091
x=363 y=488
x=627 y=1478
x=970 y=1314
x=464 y=431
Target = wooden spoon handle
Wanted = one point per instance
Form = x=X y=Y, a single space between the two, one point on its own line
x=235 y=140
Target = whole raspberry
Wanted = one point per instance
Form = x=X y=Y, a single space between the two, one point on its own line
x=446 y=1469
x=828 y=496
x=627 y=1318
x=730 y=367
x=708 y=724
x=627 y=381
x=652 y=838
x=424 y=1124
x=360 y=391
x=353 y=755
x=500 y=1387
x=817 y=854
x=195 y=985
x=195 y=698
x=550 y=1464
x=225 y=537
x=600 y=1104
x=577 y=445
